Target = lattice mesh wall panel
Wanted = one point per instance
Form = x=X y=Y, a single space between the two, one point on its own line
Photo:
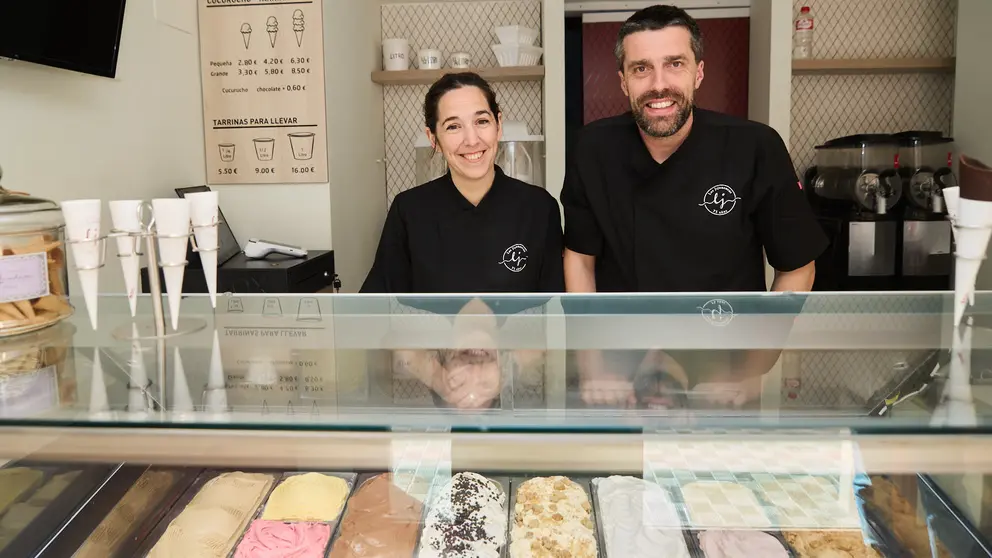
x=451 y=27
x=829 y=106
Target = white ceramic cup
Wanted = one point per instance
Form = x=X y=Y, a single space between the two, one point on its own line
x=395 y=55
x=460 y=60
x=429 y=59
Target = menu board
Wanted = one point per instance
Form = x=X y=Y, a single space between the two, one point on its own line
x=262 y=66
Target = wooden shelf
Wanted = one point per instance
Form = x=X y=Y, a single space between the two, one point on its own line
x=872 y=65
x=426 y=77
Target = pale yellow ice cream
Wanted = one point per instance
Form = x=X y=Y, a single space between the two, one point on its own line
x=14 y=482
x=307 y=497
x=551 y=518
x=213 y=521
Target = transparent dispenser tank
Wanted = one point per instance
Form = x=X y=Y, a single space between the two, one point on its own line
x=429 y=164
x=925 y=159
x=521 y=155
x=859 y=168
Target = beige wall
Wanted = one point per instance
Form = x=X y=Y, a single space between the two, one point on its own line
x=66 y=135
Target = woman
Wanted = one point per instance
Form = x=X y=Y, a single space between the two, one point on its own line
x=474 y=230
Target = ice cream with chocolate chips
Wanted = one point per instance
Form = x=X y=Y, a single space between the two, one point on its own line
x=466 y=520
x=381 y=522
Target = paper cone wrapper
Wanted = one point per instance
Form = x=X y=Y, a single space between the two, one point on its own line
x=124 y=214
x=172 y=218
x=952 y=195
x=972 y=243
x=82 y=222
x=182 y=402
x=974 y=213
x=216 y=378
x=98 y=387
x=965 y=276
x=204 y=215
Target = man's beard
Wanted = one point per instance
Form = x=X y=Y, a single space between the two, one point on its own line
x=662 y=127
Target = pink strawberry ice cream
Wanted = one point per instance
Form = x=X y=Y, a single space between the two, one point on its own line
x=277 y=539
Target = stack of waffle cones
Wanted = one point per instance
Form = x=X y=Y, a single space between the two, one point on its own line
x=972 y=222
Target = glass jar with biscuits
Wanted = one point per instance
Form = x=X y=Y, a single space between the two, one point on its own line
x=33 y=276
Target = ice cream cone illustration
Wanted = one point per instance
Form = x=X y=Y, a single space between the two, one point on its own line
x=272 y=26
x=298 y=26
x=246 y=34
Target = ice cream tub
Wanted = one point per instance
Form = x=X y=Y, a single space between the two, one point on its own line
x=182 y=503
x=267 y=512
x=696 y=549
x=436 y=490
x=598 y=515
x=584 y=482
x=364 y=480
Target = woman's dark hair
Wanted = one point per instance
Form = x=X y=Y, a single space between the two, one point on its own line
x=450 y=82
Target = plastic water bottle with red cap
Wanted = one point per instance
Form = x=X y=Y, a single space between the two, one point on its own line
x=802 y=40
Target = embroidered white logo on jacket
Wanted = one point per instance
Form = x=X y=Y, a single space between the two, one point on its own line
x=515 y=258
x=720 y=200
x=717 y=312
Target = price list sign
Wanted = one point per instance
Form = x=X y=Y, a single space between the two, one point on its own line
x=262 y=66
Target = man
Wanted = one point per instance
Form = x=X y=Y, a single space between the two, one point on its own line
x=673 y=198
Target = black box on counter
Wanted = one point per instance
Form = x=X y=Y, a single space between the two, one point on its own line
x=275 y=274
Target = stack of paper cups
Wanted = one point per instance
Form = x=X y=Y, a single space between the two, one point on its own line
x=125 y=217
x=204 y=215
x=82 y=227
x=973 y=230
x=172 y=226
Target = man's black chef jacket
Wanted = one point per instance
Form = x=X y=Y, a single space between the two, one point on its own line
x=435 y=241
x=698 y=221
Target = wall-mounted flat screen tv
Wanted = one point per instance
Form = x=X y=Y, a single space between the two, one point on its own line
x=79 y=35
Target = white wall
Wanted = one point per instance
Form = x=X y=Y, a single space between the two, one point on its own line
x=972 y=91
x=66 y=135
x=554 y=94
x=356 y=136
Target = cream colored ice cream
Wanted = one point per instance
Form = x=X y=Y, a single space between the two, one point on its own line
x=307 y=497
x=143 y=498
x=552 y=518
x=638 y=519
x=829 y=544
x=212 y=522
x=14 y=482
x=723 y=505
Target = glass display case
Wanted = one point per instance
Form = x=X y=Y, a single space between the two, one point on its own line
x=584 y=425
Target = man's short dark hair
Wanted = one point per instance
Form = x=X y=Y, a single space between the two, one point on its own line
x=655 y=18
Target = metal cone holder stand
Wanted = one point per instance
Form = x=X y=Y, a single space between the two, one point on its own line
x=155 y=329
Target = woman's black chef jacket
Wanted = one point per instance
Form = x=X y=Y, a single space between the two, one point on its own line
x=435 y=241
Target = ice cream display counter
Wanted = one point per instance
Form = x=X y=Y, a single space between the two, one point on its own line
x=695 y=425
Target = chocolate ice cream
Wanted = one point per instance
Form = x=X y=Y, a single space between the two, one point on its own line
x=381 y=522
